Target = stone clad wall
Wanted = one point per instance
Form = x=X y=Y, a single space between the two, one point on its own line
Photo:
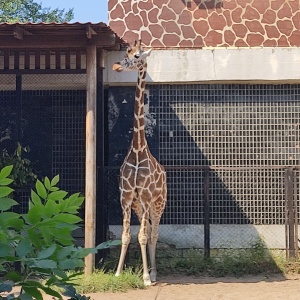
x=207 y=23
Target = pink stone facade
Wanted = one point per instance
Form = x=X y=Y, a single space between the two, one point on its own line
x=207 y=23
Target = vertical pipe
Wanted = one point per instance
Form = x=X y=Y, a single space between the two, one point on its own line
x=101 y=208
x=206 y=214
x=289 y=182
x=90 y=160
x=295 y=216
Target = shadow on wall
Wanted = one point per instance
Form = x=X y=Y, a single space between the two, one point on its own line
x=201 y=126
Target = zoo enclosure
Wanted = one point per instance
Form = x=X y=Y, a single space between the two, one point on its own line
x=243 y=136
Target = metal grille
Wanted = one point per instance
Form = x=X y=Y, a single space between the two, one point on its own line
x=48 y=120
x=68 y=132
x=246 y=134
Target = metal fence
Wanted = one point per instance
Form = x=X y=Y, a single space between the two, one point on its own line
x=245 y=136
x=226 y=148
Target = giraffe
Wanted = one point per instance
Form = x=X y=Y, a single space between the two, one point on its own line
x=142 y=181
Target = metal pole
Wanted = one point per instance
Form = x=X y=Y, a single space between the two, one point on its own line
x=289 y=183
x=295 y=216
x=206 y=214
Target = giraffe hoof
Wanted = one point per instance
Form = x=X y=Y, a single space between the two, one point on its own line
x=147 y=282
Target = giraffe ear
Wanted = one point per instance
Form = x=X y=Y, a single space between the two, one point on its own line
x=117 y=67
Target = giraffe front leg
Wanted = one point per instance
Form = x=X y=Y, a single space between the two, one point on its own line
x=125 y=239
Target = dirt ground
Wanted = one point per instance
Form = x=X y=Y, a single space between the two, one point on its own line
x=208 y=288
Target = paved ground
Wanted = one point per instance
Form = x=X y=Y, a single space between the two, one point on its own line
x=208 y=288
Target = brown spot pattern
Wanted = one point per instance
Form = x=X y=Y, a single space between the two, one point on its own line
x=207 y=23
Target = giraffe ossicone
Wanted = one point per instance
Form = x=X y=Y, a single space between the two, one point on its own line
x=142 y=181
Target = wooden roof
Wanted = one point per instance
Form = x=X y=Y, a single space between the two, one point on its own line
x=57 y=36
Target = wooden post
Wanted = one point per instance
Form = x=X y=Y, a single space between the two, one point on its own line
x=90 y=159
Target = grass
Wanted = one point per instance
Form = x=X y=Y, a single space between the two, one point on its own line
x=229 y=262
x=101 y=281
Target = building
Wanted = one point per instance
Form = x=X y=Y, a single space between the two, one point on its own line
x=223 y=96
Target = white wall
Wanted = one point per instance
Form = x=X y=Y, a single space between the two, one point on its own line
x=222 y=236
x=200 y=65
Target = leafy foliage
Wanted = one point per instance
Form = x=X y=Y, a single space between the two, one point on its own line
x=31 y=11
x=40 y=241
x=22 y=172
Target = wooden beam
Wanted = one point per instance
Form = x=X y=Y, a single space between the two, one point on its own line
x=90 y=160
x=57 y=41
x=90 y=31
x=20 y=32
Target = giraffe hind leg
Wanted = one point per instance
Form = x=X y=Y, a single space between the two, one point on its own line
x=126 y=237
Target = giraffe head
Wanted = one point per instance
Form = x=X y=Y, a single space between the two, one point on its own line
x=134 y=59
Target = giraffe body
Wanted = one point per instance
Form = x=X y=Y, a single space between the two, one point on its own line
x=142 y=179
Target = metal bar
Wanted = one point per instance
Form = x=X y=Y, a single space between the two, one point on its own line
x=206 y=214
x=222 y=168
x=296 y=217
x=289 y=182
x=101 y=207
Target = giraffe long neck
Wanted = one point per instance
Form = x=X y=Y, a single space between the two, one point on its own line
x=139 y=141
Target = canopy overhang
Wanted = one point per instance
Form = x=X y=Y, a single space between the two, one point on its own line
x=58 y=36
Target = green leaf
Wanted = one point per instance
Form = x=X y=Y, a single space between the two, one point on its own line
x=60 y=273
x=25 y=296
x=109 y=244
x=47 y=183
x=6 y=171
x=5 y=191
x=8 y=218
x=5 y=181
x=55 y=180
x=6 y=287
x=58 y=195
x=51 y=209
x=5 y=250
x=13 y=276
x=83 y=252
x=45 y=264
x=35 y=198
x=71 y=264
x=34 y=292
x=51 y=292
x=23 y=248
x=35 y=214
x=41 y=189
x=67 y=218
x=45 y=253
x=7 y=203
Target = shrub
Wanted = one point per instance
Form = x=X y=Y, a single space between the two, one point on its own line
x=40 y=241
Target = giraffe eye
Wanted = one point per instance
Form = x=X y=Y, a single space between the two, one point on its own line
x=129 y=50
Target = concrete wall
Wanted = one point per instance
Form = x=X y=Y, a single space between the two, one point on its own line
x=222 y=236
x=213 y=65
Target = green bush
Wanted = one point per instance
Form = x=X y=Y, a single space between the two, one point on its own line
x=40 y=241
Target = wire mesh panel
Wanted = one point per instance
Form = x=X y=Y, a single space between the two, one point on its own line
x=233 y=129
